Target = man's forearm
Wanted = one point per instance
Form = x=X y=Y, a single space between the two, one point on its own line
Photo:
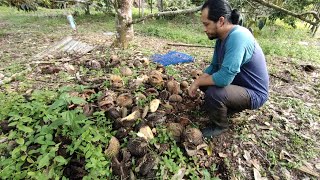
x=204 y=75
x=205 y=80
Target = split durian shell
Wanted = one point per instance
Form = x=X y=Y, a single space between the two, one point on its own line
x=113 y=147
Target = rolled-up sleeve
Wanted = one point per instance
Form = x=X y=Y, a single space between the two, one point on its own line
x=209 y=69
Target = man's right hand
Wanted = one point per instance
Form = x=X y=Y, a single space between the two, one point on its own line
x=193 y=89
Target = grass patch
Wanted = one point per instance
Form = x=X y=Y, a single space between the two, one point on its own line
x=276 y=40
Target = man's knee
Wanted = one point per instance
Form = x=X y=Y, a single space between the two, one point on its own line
x=215 y=96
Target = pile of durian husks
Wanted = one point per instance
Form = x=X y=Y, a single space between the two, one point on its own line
x=164 y=102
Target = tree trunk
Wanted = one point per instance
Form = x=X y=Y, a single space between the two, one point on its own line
x=142 y=8
x=87 y=8
x=124 y=22
x=123 y=17
x=160 y=5
x=139 y=6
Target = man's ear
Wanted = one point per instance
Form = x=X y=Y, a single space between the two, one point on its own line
x=221 y=21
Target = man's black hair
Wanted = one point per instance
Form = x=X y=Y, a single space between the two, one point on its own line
x=218 y=8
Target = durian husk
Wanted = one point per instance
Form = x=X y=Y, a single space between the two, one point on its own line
x=145 y=111
x=155 y=78
x=113 y=147
x=106 y=103
x=176 y=130
x=154 y=105
x=116 y=81
x=131 y=118
x=196 y=73
x=125 y=71
x=146 y=133
x=124 y=100
x=184 y=85
x=193 y=135
x=137 y=146
x=175 y=98
x=173 y=86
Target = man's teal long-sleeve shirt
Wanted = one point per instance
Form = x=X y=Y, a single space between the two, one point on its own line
x=239 y=60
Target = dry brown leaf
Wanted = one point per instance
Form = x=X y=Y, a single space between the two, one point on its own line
x=307 y=164
x=308 y=171
x=145 y=111
x=252 y=117
x=179 y=175
x=154 y=130
x=275 y=177
x=233 y=177
x=286 y=173
x=190 y=149
x=252 y=137
x=248 y=143
x=256 y=164
x=209 y=150
x=247 y=157
x=265 y=128
x=257 y=175
x=222 y=155
x=267 y=123
x=202 y=146
x=284 y=155
x=236 y=150
x=69 y=68
x=157 y=146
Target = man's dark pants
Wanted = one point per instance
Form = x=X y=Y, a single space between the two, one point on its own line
x=223 y=101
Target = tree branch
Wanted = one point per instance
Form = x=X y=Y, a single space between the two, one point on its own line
x=186 y=11
x=115 y=6
x=314 y=13
x=299 y=16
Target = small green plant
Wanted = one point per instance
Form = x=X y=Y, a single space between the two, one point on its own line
x=175 y=159
x=42 y=119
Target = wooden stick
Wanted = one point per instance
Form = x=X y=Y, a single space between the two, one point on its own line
x=189 y=45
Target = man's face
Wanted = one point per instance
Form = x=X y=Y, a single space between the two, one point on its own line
x=210 y=27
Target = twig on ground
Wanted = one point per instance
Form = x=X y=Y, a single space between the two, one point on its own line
x=189 y=45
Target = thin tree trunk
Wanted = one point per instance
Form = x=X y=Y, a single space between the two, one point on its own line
x=139 y=6
x=124 y=16
x=87 y=9
x=142 y=8
x=160 y=5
